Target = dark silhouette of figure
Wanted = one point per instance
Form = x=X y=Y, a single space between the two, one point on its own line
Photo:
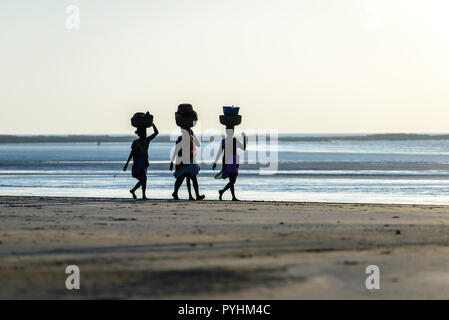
x=189 y=189
x=184 y=155
x=230 y=168
x=139 y=154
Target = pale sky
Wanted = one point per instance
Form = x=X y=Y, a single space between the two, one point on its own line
x=315 y=66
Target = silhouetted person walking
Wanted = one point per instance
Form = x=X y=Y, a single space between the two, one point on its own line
x=230 y=168
x=139 y=154
x=184 y=156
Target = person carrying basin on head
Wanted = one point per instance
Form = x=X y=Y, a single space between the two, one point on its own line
x=139 y=151
x=228 y=147
x=185 y=152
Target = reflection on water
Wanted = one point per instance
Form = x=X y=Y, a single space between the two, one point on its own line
x=334 y=171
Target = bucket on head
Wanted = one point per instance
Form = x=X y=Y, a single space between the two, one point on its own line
x=230 y=111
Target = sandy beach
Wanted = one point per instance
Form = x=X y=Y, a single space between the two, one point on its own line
x=161 y=249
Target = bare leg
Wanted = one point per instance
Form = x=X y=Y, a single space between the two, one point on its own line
x=196 y=188
x=189 y=189
x=227 y=186
x=144 y=187
x=178 y=184
x=230 y=185
x=233 y=179
x=133 y=190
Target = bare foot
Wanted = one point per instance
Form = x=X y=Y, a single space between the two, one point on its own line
x=235 y=199
x=191 y=198
x=134 y=195
x=220 y=192
x=144 y=198
x=175 y=196
x=201 y=197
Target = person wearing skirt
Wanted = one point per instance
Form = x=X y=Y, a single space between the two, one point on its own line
x=230 y=169
x=186 y=168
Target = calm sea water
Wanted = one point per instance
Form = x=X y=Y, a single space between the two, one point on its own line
x=376 y=171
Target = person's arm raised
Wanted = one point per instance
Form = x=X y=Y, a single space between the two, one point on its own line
x=155 y=133
x=244 y=140
x=195 y=139
x=239 y=144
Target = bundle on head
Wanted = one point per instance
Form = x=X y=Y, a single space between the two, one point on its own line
x=142 y=120
x=186 y=117
x=230 y=117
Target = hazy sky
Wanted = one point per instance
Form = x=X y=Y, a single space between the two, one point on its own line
x=295 y=66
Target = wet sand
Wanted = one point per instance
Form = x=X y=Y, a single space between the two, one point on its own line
x=162 y=249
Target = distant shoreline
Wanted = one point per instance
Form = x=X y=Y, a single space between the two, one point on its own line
x=5 y=139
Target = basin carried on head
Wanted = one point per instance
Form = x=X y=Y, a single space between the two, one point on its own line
x=230 y=117
x=142 y=120
x=185 y=117
x=231 y=120
x=185 y=122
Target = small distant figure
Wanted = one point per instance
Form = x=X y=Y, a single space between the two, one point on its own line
x=139 y=154
x=230 y=167
x=187 y=142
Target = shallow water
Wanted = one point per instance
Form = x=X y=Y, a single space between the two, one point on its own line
x=379 y=171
